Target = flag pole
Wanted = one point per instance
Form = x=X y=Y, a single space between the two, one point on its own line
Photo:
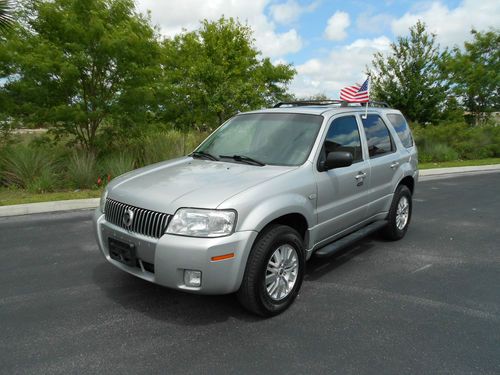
x=366 y=108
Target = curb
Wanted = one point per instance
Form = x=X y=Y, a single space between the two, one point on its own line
x=42 y=207
x=435 y=173
x=86 y=204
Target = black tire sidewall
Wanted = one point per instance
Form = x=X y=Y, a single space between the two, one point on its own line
x=395 y=232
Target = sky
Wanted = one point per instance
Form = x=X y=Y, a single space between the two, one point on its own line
x=329 y=42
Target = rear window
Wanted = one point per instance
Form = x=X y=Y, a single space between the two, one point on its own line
x=401 y=126
x=378 y=136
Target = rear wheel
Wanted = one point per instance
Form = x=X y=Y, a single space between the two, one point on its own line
x=274 y=271
x=399 y=215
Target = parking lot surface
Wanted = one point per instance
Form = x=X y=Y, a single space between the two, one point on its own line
x=429 y=303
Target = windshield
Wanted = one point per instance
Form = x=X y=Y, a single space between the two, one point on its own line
x=270 y=138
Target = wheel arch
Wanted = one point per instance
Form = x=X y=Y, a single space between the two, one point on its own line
x=296 y=221
x=409 y=182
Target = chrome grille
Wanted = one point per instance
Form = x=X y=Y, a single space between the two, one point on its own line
x=145 y=222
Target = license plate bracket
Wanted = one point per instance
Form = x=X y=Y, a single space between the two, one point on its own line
x=122 y=252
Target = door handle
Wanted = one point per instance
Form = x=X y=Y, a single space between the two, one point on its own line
x=395 y=164
x=360 y=175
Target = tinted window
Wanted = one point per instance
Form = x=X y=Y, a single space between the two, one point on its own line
x=272 y=138
x=377 y=135
x=343 y=135
x=401 y=127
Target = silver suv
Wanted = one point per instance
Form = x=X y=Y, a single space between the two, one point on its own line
x=260 y=196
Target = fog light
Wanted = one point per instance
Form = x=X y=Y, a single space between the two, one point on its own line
x=192 y=278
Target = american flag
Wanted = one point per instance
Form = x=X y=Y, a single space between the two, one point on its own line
x=356 y=93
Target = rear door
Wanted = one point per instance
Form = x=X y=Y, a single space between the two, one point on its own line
x=342 y=198
x=384 y=162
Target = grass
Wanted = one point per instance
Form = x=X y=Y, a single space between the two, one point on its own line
x=459 y=163
x=15 y=196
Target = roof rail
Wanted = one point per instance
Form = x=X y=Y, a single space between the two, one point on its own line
x=301 y=103
x=328 y=102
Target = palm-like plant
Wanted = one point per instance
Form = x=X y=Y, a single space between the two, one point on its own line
x=6 y=19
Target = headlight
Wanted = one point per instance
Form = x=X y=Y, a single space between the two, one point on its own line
x=196 y=222
x=102 y=203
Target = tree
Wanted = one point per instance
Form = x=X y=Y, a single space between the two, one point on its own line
x=79 y=64
x=410 y=78
x=6 y=20
x=214 y=72
x=475 y=73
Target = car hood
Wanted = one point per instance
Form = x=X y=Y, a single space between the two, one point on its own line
x=188 y=182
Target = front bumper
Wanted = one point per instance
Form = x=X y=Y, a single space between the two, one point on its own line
x=171 y=255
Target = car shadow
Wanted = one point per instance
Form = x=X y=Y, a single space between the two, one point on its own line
x=164 y=304
x=318 y=267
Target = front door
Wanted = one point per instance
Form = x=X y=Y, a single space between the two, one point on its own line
x=342 y=192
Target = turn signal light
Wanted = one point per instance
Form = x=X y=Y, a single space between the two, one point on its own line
x=222 y=257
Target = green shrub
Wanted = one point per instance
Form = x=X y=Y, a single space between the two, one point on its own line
x=117 y=164
x=46 y=182
x=158 y=147
x=459 y=140
x=25 y=167
x=81 y=171
x=434 y=151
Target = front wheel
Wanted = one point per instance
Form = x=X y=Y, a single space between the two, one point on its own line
x=274 y=271
x=399 y=215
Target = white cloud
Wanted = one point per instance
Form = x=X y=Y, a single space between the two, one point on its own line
x=173 y=17
x=341 y=67
x=286 y=13
x=337 y=25
x=370 y=23
x=452 y=26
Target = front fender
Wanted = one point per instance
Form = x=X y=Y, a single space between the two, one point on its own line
x=272 y=208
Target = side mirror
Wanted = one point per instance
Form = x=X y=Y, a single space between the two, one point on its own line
x=337 y=159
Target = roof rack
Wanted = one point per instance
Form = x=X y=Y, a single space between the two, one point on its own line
x=328 y=102
x=302 y=103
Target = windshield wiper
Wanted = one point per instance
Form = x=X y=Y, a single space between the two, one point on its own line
x=203 y=154
x=243 y=159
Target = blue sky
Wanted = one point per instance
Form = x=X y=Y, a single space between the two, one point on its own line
x=329 y=42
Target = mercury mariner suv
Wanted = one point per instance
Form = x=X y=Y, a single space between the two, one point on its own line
x=261 y=195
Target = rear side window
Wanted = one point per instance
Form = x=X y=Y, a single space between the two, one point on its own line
x=378 y=136
x=402 y=128
x=343 y=135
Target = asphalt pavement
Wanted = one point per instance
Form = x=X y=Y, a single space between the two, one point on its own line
x=429 y=303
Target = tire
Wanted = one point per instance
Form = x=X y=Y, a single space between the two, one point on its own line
x=254 y=292
x=395 y=230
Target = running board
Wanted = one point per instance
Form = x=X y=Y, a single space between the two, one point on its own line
x=341 y=243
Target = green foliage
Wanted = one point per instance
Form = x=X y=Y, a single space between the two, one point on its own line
x=5 y=133
x=45 y=182
x=81 y=170
x=6 y=20
x=27 y=168
x=475 y=73
x=158 y=147
x=96 y=70
x=41 y=166
x=410 y=77
x=117 y=164
x=434 y=151
x=215 y=72
x=452 y=141
x=79 y=63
